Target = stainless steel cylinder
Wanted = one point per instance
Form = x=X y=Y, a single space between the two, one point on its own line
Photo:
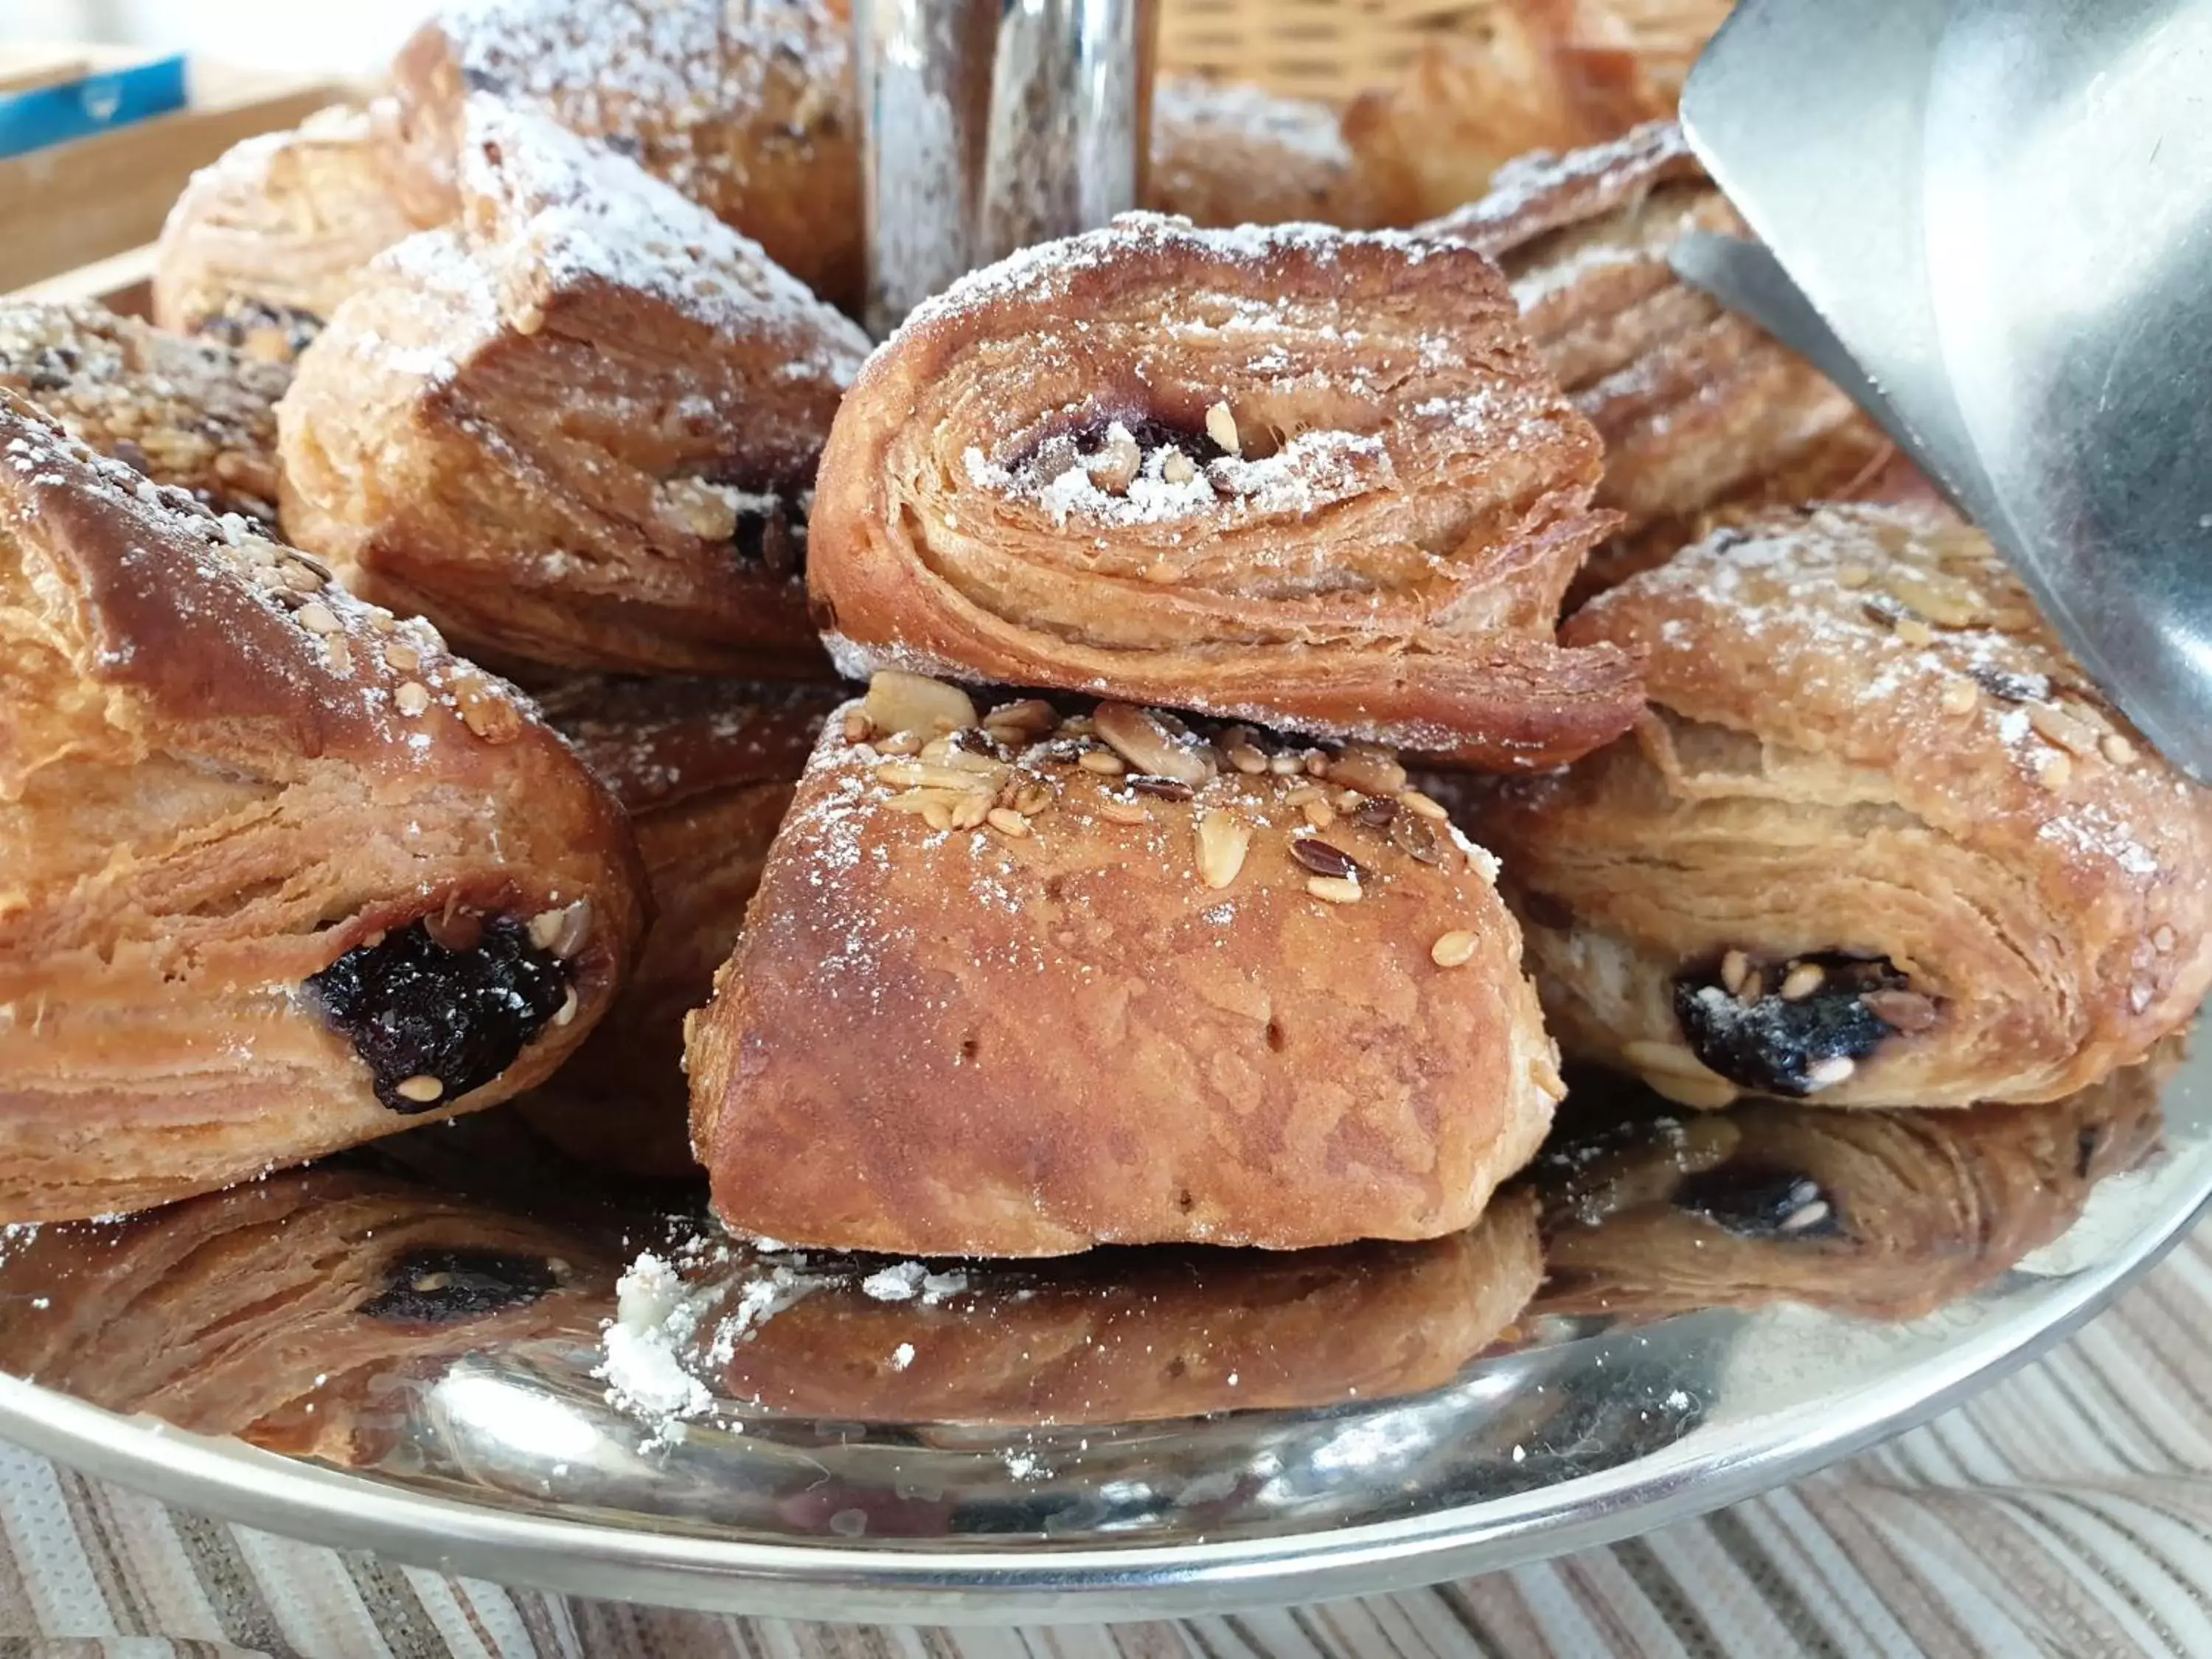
x=990 y=124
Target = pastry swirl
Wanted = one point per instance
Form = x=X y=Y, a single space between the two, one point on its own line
x=277 y=874
x=1878 y=841
x=1310 y=478
x=1037 y=983
x=577 y=427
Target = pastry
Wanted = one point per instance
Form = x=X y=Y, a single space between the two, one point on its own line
x=705 y=769
x=1313 y=478
x=1230 y=153
x=1877 y=842
x=1020 y=986
x=1706 y=417
x=290 y=1312
x=579 y=428
x=1123 y=1336
x=747 y=107
x=1882 y=1214
x=263 y=245
x=185 y=412
x=1541 y=75
x=277 y=875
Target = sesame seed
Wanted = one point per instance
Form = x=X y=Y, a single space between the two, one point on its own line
x=1734 y=967
x=1100 y=761
x=1178 y=468
x=1827 y=1073
x=1007 y=821
x=1333 y=890
x=1284 y=766
x=318 y=618
x=567 y=1012
x=1223 y=842
x=2163 y=938
x=1032 y=799
x=1802 y=980
x=2056 y=726
x=1414 y=801
x=402 y=658
x=413 y=698
x=2118 y=750
x=1318 y=813
x=1122 y=811
x=1453 y=950
x=968 y=811
x=1809 y=1215
x=1914 y=632
x=1221 y=427
x=422 y=1090
x=340 y=653
x=857 y=726
x=2053 y=771
x=1247 y=760
x=545 y=927
x=300 y=579
x=1961 y=695
x=1853 y=575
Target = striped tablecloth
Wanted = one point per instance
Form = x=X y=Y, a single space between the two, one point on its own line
x=2066 y=1511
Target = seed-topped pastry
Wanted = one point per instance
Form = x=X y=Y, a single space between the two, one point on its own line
x=1706 y=417
x=705 y=769
x=1311 y=479
x=263 y=244
x=190 y=413
x=1877 y=842
x=277 y=873
x=1021 y=979
x=747 y=107
x=577 y=427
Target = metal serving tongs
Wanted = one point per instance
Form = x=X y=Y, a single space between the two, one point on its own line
x=1991 y=221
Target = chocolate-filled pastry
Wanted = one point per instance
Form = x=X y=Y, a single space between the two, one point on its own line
x=1883 y=1214
x=189 y=413
x=705 y=769
x=1021 y=983
x=290 y=1312
x=1702 y=412
x=1311 y=479
x=1230 y=153
x=277 y=875
x=1543 y=75
x=1128 y=1336
x=577 y=427
x=1878 y=841
x=747 y=107
x=263 y=243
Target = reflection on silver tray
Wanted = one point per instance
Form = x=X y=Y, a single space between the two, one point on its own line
x=403 y=1348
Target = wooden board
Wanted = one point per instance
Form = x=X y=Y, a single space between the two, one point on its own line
x=78 y=203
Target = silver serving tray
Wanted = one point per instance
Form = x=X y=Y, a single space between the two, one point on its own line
x=505 y=1459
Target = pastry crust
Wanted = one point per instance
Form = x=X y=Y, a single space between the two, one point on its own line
x=250 y=831
x=263 y=244
x=1866 y=753
x=705 y=769
x=1106 y=1011
x=746 y=107
x=1310 y=478
x=1131 y=1337
x=1885 y=1215
x=579 y=428
x=189 y=413
x=1230 y=153
x=1706 y=418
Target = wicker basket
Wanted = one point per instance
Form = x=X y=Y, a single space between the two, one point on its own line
x=1333 y=49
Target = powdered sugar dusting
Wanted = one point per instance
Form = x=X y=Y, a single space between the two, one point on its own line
x=1544 y=189
x=1308 y=130
x=1315 y=469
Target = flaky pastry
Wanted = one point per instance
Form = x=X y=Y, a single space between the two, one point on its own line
x=1230 y=153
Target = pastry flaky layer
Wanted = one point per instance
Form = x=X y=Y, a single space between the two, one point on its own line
x=190 y=413
x=747 y=107
x=277 y=874
x=1234 y=154
x=1878 y=842
x=579 y=427
x=1037 y=983
x=705 y=769
x=262 y=243
x=1706 y=417
x=1296 y=475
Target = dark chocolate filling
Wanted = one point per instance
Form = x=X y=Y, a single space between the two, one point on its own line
x=415 y=1009
x=1774 y=1044
x=1758 y=1201
x=444 y=1286
x=239 y=322
x=1150 y=432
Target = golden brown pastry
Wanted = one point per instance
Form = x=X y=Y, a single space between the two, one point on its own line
x=277 y=875
x=579 y=428
x=1878 y=842
x=1883 y=1214
x=261 y=244
x=189 y=413
x=1230 y=153
x=1019 y=986
x=1706 y=417
x=1308 y=478
x=1123 y=1336
x=289 y=1312
x=705 y=769
x=1540 y=75
x=747 y=107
